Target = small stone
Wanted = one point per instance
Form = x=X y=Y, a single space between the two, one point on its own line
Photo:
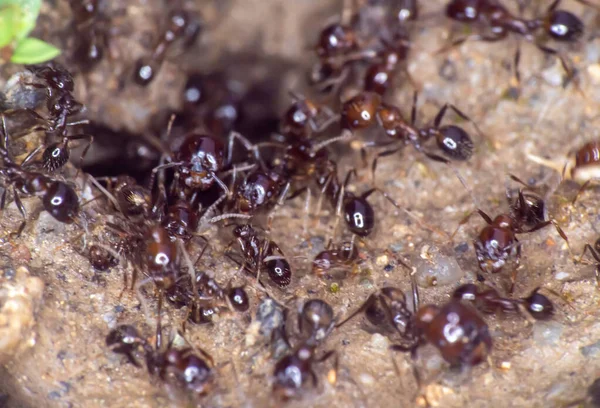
x=461 y=248
x=382 y=260
x=436 y=268
x=547 y=333
x=388 y=268
x=590 y=349
x=334 y=287
x=366 y=379
x=561 y=275
x=594 y=73
x=379 y=342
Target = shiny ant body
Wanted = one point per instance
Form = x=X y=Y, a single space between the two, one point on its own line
x=182 y=25
x=316 y=321
x=456 y=330
x=186 y=368
x=489 y=301
x=344 y=255
x=559 y=25
x=58 y=198
x=91 y=30
x=61 y=104
x=260 y=254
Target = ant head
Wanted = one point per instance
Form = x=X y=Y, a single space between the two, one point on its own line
x=564 y=26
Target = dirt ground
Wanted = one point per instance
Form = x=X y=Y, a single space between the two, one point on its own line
x=61 y=359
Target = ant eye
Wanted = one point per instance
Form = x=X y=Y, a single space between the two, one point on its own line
x=455 y=143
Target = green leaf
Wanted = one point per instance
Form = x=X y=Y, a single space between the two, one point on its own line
x=24 y=14
x=34 y=51
x=7 y=25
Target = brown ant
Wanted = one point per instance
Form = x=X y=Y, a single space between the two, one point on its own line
x=182 y=24
x=260 y=254
x=180 y=367
x=497 y=243
x=101 y=259
x=452 y=140
x=293 y=371
x=559 y=25
x=343 y=255
x=58 y=198
x=91 y=34
x=303 y=118
x=455 y=329
x=489 y=301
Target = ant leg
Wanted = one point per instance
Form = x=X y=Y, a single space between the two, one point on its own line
x=159 y=320
x=220 y=182
x=344 y=136
x=462 y=115
x=553 y=6
x=249 y=146
x=321 y=195
x=516 y=63
x=306 y=207
x=413 y=109
x=367 y=303
x=29 y=158
x=382 y=154
x=462 y=222
x=279 y=203
x=90 y=140
x=583 y=187
x=19 y=203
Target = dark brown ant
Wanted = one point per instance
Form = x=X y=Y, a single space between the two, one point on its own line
x=528 y=208
x=303 y=118
x=489 y=301
x=182 y=24
x=60 y=104
x=59 y=199
x=260 y=254
x=455 y=329
x=344 y=255
x=452 y=140
x=91 y=37
x=131 y=199
x=560 y=25
x=101 y=259
x=196 y=163
x=497 y=243
x=180 y=367
x=316 y=321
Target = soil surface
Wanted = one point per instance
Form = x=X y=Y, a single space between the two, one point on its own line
x=63 y=361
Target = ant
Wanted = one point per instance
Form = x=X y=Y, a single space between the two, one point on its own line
x=316 y=321
x=197 y=161
x=180 y=367
x=200 y=308
x=559 y=25
x=60 y=104
x=498 y=242
x=452 y=140
x=303 y=117
x=489 y=301
x=101 y=259
x=91 y=33
x=343 y=255
x=58 y=198
x=183 y=25
x=260 y=254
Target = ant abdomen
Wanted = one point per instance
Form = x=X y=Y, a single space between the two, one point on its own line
x=279 y=271
x=564 y=26
x=61 y=201
x=455 y=143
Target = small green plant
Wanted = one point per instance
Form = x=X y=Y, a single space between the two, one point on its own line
x=17 y=19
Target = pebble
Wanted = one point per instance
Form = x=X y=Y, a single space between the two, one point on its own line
x=547 y=333
x=433 y=268
x=382 y=260
x=561 y=275
x=594 y=72
x=379 y=342
x=590 y=349
x=366 y=379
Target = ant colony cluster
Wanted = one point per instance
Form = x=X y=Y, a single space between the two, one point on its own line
x=189 y=213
